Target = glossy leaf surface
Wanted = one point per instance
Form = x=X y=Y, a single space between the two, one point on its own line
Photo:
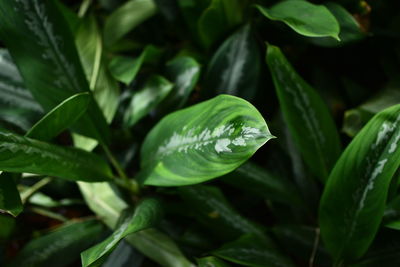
x=146 y=214
x=253 y=251
x=307 y=116
x=60 y=118
x=353 y=201
x=304 y=18
x=63 y=243
x=22 y=154
x=126 y=18
x=235 y=67
x=143 y=101
x=41 y=44
x=10 y=200
x=202 y=142
x=213 y=210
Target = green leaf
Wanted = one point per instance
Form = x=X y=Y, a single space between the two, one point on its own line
x=307 y=116
x=60 y=118
x=253 y=251
x=159 y=247
x=353 y=200
x=251 y=177
x=22 y=154
x=146 y=99
x=10 y=200
x=350 y=30
x=146 y=214
x=61 y=247
x=211 y=208
x=304 y=18
x=42 y=46
x=184 y=72
x=90 y=48
x=211 y=262
x=126 y=18
x=220 y=17
x=202 y=142
x=124 y=255
x=17 y=105
x=235 y=67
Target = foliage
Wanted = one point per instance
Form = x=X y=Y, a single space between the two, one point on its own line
x=184 y=133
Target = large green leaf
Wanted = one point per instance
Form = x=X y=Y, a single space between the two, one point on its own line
x=42 y=46
x=306 y=115
x=22 y=154
x=157 y=246
x=250 y=250
x=17 y=105
x=60 y=247
x=10 y=200
x=143 y=101
x=235 y=67
x=353 y=201
x=304 y=18
x=90 y=48
x=211 y=208
x=60 y=118
x=202 y=142
x=126 y=18
x=146 y=214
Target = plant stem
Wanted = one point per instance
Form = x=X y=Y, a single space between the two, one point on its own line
x=49 y=214
x=34 y=188
x=315 y=248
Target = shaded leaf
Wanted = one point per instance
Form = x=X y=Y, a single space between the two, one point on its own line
x=353 y=200
x=61 y=246
x=235 y=67
x=41 y=44
x=146 y=214
x=306 y=115
x=22 y=154
x=211 y=262
x=253 y=251
x=10 y=200
x=124 y=255
x=202 y=142
x=304 y=18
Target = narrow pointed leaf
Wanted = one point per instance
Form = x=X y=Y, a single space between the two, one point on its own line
x=60 y=118
x=146 y=214
x=235 y=67
x=304 y=18
x=202 y=142
x=211 y=262
x=143 y=101
x=211 y=208
x=250 y=250
x=353 y=201
x=307 y=116
x=126 y=18
x=42 y=46
x=22 y=154
x=10 y=200
x=61 y=247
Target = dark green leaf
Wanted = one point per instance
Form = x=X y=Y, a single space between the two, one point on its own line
x=304 y=18
x=353 y=201
x=235 y=67
x=126 y=18
x=202 y=142
x=143 y=101
x=60 y=118
x=22 y=154
x=253 y=251
x=146 y=214
x=124 y=255
x=306 y=115
x=10 y=200
x=60 y=247
x=42 y=46
x=211 y=262
x=211 y=208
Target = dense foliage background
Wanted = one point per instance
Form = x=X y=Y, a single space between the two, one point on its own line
x=100 y=142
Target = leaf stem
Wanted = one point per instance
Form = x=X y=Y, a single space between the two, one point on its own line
x=315 y=248
x=34 y=188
